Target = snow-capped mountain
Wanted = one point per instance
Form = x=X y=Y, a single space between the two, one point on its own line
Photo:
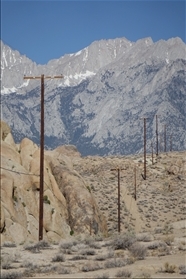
x=75 y=67
x=107 y=88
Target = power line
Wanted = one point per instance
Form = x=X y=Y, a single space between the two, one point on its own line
x=18 y=172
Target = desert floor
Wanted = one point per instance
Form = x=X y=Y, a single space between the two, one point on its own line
x=152 y=240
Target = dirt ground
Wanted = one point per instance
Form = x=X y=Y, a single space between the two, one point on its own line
x=152 y=241
x=90 y=257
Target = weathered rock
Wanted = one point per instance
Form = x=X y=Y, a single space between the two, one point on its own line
x=27 y=149
x=68 y=205
x=83 y=212
x=2 y=221
x=5 y=129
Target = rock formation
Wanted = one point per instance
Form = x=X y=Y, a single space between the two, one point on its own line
x=69 y=206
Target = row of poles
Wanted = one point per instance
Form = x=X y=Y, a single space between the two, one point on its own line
x=143 y=175
x=157 y=142
x=42 y=78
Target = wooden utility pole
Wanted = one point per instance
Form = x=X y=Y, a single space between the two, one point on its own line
x=42 y=78
x=118 y=170
x=152 y=152
x=165 y=138
x=144 y=176
x=135 y=195
x=156 y=135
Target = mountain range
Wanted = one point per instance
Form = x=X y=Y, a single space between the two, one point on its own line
x=107 y=90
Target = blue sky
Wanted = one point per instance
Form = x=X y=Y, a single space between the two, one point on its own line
x=45 y=30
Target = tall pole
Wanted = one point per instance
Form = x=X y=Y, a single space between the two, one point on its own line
x=144 y=148
x=135 y=196
x=42 y=77
x=118 y=200
x=118 y=170
x=156 y=135
x=41 y=161
x=164 y=138
x=152 y=152
x=144 y=176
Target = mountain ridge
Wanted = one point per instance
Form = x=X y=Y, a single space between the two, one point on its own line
x=100 y=112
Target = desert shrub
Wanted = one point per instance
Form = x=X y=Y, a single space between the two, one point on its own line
x=28 y=265
x=35 y=248
x=88 y=240
x=43 y=244
x=46 y=199
x=30 y=269
x=107 y=243
x=63 y=270
x=81 y=246
x=103 y=276
x=98 y=238
x=78 y=257
x=144 y=237
x=100 y=257
x=58 y=258
x=167 y=229
x=49 y=268
x=123 y=242
x=114 y=263
x=169 y=239
x=155 y=244
x=163 y=250
x=32 y=248
x=67 y=251
x=95 y=245
x=74 y=249
x=144 y=275
x=11 y=275
x=91 y=266
x=110 y=254
x=6 y=263
x=68 y=245
x=130 y=260
x=169 y=268
x=88 y=252
x=182 y=269
x=138 y=251
x=123 y=273
x=9 y=244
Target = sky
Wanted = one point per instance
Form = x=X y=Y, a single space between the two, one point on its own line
x=44 y=30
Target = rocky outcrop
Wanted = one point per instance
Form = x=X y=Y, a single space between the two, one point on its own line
x=69 y=207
